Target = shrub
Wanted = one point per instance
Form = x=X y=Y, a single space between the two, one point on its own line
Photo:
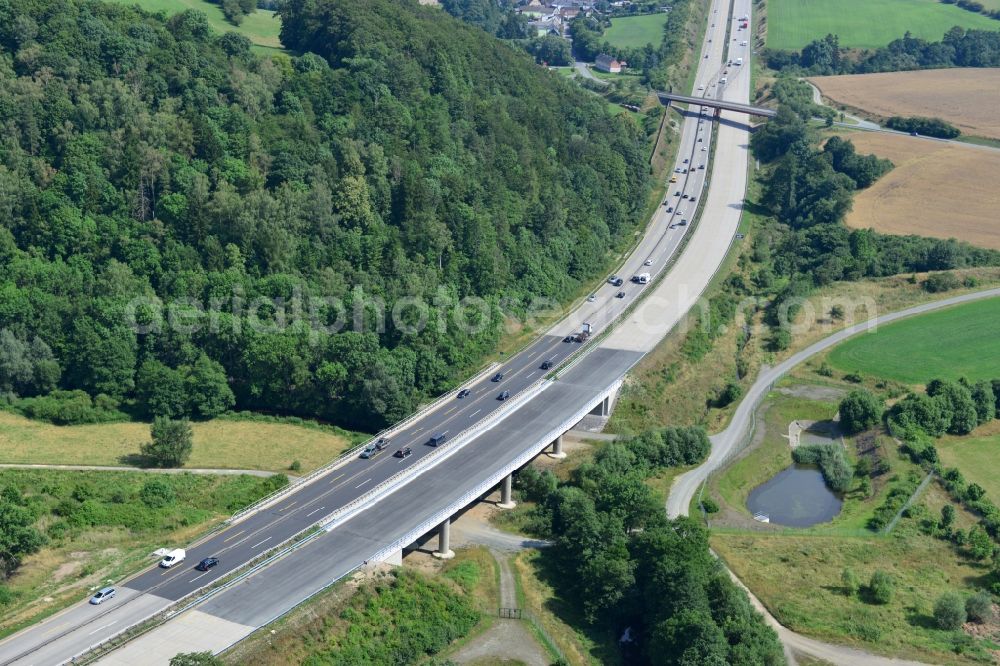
x=927 y=126
x=709 y=505
x=157 y=493
x=859 y=410
x=882 y=587
x=171 y=442
x=296 y=466
x=832 y=462
x=939 y=282
x=850 y=582
x=949 y=611
x=979 y=607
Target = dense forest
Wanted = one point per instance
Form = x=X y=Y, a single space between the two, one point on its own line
x=958 y=48
x=180 y=214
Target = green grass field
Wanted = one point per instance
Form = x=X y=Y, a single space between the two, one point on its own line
x=633 y=32
x=962 y=341
x=791 y=24
x=976 y=456
x=218 y=444
x=261 y=27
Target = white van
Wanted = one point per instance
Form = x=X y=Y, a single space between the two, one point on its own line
x=173 y=557
x=723 y=80
x=739 y=61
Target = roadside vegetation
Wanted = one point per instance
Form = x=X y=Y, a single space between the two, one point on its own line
x=65 y=532
x=384 y=616
x=636 y=32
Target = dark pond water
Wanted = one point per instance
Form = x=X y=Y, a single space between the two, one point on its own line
x=796 y=497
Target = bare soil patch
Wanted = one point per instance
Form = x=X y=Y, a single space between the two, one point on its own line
x=937 y=189
x=966 y=97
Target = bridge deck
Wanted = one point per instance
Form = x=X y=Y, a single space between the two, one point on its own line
x=667 y=98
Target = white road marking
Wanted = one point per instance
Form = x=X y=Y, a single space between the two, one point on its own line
x=314 y=511
x=102 y=628
x=363 y=483
x=260 y=542
x=197 y=577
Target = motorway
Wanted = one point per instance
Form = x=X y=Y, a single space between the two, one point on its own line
x=71 y=632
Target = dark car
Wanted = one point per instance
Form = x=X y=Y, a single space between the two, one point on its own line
x=503 y=395
x=683 y=223
x=546 y=365
x=618 y=281
x=497 y=377
x=568 y=338
x=670 y=209
x=677 y=193
x=620 y=294
x=403 y=452
x=437 y=439
x=207 y=563
x=464 y=392
x=692 y=199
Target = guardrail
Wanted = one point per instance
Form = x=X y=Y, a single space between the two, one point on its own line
x=352 y=452
x=483 y=487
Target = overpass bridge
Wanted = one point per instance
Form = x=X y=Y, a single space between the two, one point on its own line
x=667 y=98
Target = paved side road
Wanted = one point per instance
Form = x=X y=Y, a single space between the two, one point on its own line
x=147 y=470
x=725 y=442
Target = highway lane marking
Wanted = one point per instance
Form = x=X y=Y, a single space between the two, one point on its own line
x=475 y=412
x=314 y=511
x=233 y=537
x=259 y=542
x=102 y=628
x=288 y=506
x=363 y=483
x=451 y=410
x=197 y=577
x=530 y=376
x=335 y=478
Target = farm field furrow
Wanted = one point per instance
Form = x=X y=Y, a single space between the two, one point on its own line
x=937 y=189
x=966 y=97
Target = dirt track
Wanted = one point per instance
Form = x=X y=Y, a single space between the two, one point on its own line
x=938 y=189
x=966 y=97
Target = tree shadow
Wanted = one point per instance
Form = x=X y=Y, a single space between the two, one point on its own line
x=550 y=571
x=916 y=618
x=137 y=460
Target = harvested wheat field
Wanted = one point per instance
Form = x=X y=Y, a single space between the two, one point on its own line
x=967 y=97
x=937 y=189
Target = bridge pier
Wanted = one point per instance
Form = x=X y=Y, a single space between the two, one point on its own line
x=444 y=551
x=557 y=451
x=506 y=501
x=602 y=409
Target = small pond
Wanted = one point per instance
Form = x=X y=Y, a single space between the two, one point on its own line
x=795 y=497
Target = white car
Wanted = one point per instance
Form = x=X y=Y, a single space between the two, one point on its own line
x=704 y=148
x=648 y=262
x=173 y=557
x=701 y=87
x=591 y=298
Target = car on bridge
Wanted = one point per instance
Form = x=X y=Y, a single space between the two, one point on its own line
x=497 y=377
x=503 y=395
x=568 y=338
x=103 y=595
x=437 y=439
x=620 y=294
x=547 y=364
x=464 y=392
x=404 y=452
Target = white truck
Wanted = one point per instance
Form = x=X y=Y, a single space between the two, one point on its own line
x=739 y=61
x=173 y=557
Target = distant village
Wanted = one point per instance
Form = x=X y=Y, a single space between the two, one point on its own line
x=553 y=17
